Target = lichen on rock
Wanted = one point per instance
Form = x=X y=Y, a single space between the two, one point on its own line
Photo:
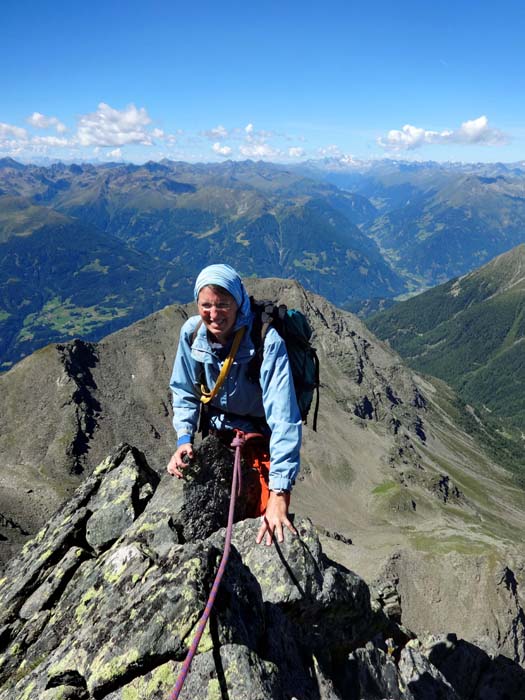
x=111 y=609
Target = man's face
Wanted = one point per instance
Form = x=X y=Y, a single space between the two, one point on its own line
x=218 y=312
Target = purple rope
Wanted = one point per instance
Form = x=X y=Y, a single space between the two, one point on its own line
x=238 y=442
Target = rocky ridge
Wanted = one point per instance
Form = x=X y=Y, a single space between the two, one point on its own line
x=103 y=603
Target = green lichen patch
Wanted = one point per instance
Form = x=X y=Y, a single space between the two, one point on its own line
x=104 y=466
x=86 y=604
x=156 y=684
x=107 y=667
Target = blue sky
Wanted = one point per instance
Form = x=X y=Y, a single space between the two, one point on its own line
x=282 y=81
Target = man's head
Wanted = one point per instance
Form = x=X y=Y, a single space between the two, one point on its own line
x=218 y=311
x=226 y=303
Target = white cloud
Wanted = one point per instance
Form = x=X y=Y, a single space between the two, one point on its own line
x=9 y=131
x=161 y=135
x=472 y=131
x=115 y=154
x=49 y=141
x=218 y=132
x=296 y=152
x=478 y=131
x=331 y=151
x=113 y=127
x=256 y=144
x=221 y=150
x=259 y=150
x=40 y=121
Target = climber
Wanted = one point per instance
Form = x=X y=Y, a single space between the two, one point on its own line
x=218 y=336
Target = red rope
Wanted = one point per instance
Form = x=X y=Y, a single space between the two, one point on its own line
x=237 y=442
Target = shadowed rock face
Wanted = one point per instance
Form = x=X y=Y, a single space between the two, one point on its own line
x=103 y=604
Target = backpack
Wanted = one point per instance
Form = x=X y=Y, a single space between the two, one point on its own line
x=293 y=327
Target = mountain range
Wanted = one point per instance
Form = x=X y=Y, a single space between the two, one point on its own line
x=161 y=221
x=471 y=333
x=360 y=234
x=435 y=221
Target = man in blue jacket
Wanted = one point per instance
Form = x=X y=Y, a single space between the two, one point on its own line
x=267 y=406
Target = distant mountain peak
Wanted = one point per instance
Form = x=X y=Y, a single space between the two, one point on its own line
x=10 y=163
x=508 y=269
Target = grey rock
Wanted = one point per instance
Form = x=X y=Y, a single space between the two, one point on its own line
x=235 y=671
x=119 y=501
x=64 y=692
x=107 y=623
x=420 y=679
x=372 y=674
x=51 y=586
x=114 y=621
x=388 y=597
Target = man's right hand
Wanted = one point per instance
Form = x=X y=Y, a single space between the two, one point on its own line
x=177 y=463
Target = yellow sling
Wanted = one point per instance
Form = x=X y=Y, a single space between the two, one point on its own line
x=207 y=396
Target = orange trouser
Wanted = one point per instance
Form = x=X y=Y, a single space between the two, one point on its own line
x=256 y=455
x=256 y=452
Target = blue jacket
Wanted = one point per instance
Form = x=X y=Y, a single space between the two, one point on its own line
x=273 y=398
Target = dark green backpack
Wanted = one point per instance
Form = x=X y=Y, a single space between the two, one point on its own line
x=293 y=327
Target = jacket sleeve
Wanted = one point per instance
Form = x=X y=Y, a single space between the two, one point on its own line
x=282 y=413
x=184 y=385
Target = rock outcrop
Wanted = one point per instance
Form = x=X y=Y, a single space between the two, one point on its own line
x=104 y=601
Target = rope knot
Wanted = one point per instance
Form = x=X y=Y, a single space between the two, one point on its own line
x=239 y=439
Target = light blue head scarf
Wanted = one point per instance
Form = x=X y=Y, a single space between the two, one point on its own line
x=226 y=277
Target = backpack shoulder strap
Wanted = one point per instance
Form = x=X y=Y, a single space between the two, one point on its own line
x=265 y=314
x=195 y=331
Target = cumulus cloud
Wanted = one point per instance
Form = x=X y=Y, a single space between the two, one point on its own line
x=256 y=144
x=8 y=131
x=479 y=131
x=113 y=127
x=259 y=150
x=40 y=121
x=49 y=141
x=472 y=131
x=218 y=132
x=221 y=150
x=296 y=152
x=161 y=135
x=116 y=154
x=331 y=151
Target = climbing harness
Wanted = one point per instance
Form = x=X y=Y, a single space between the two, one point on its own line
x=237 y=442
